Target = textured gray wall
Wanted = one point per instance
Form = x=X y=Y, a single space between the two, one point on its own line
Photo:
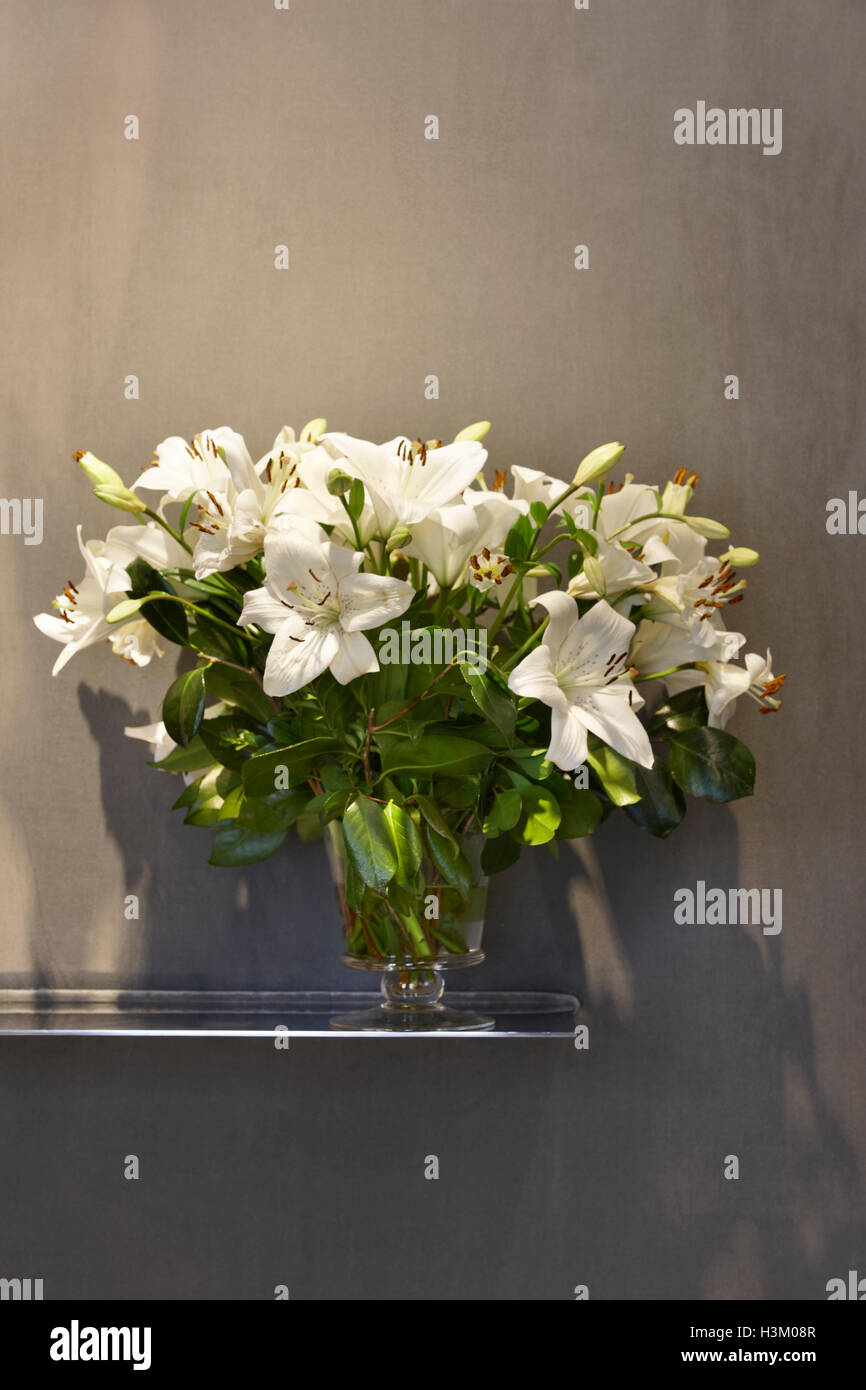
x=453 y=257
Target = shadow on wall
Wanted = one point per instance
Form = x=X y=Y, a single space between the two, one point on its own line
x=697 y=1052
x=705 y=1057
x=272 y=926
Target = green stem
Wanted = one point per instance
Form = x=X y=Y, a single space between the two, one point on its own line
x=358 y=541
x=516 y=588
x=658 y=675
x=530 y=641
x=193 y=608
x=155 y=516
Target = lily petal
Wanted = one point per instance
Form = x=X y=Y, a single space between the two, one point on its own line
x=355 y=657
x=367 y=600
x=295 y=661
x=267 y=612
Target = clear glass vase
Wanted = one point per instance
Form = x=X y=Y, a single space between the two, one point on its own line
x=411 y=937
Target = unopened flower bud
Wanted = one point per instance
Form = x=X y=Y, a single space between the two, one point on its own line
x=740 y=556
x=704 y=526
x=339 y=482
x=399 y=539
x=594 y=572
x=108 y=485
x=127 y=608
x=123 y=498
x=476 y=431
x=598 y=463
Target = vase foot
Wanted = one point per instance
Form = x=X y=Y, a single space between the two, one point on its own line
x=433 y=1018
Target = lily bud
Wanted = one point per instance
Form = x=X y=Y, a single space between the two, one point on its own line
x=312 y=432
x=122 y=498
x=740 y=556
x=598 y=463
x=398 y=539
x=108 y=485
x=713 y=530
x=339 y=482
x=476 y=431
x=123 y=610
x=594 y=572
x=99 y=473
x=675 y=499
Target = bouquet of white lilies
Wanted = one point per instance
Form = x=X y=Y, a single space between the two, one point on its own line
x=384 y=645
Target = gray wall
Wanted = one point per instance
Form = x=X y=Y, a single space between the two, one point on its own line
x=453 y=257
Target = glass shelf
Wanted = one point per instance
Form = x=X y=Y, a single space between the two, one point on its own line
x=258 y=1014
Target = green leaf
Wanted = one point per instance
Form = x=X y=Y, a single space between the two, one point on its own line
x=229 y=739
x=531 y=761
x=459 y=793
x=368 y=841
x=495 y=706
x=615 y=773
x=168 y=619
x=581 y=814
x=205 y=807
x=188 y=796
x=450 y=860
x=272 y=813
x=235 y=688
x=519 y=539
x=662 y=804
x=405 y=839
x=433 y=816
x=541 y=817
x=234 y=846
x=712 y=764
x=498 y=855
x=356 y=497
x=445 y=753
x=188 y=759
x=505 y=812
x=232 y=804
x=183 y=706
x=538 y=512
x=688 y=710
x=261 y=771
x=586 y=539
x=309 y=828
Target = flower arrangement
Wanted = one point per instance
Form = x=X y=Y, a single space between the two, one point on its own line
x=429 y=670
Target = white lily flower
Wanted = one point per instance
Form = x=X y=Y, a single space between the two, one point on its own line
x=318 y=607
x=530 y=486
x=660 y=647
x=580 y=671
x=232 y=522
x=80 y=617
x=205 y=464
x=405 y=479
x=315 y=469
x=725 y=682
x=615 y=570
x=632 y=515
x=448 y=539
x=157 y=736
x=695 y=598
